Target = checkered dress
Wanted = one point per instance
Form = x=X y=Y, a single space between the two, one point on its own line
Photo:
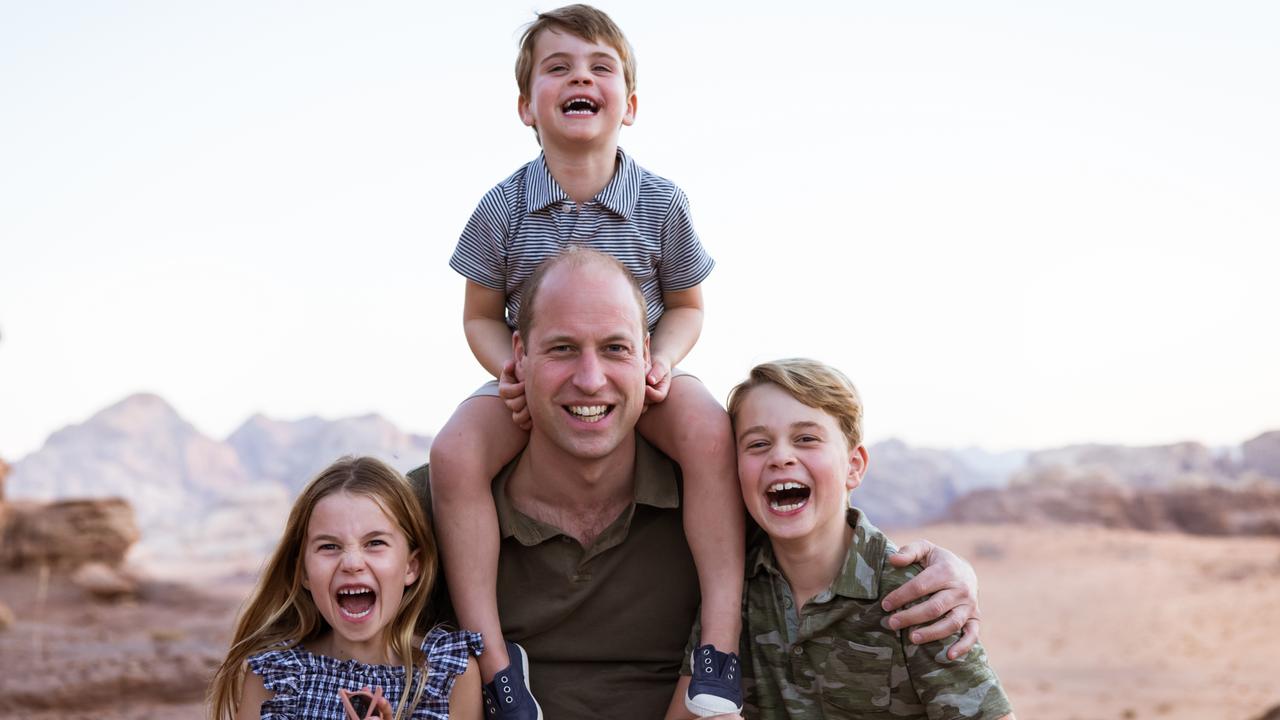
x=306 y=685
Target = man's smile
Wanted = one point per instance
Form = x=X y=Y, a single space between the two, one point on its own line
x=589 y=413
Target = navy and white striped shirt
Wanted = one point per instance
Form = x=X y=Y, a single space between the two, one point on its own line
x=639 y=218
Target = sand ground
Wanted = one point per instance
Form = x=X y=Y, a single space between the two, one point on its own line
x=1080 y=623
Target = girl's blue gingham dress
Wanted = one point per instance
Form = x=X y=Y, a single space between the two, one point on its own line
x=306 y=685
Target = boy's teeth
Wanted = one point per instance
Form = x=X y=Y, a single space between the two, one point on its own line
x=788 y=507
x=789 y=485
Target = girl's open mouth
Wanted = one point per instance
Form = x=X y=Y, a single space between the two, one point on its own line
x=355 y=602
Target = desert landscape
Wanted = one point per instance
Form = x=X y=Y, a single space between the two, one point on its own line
x=1116 y=582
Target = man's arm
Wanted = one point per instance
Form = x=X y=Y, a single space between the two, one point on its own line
x=953 y=606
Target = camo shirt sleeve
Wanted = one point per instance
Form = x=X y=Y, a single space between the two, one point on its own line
x=838 y=658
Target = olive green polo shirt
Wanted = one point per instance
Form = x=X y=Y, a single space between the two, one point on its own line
x=837 y=657
x=604 y=626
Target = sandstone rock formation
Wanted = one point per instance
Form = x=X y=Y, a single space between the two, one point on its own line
x=1201 y=511
x=1262 y=455
x=67 y=533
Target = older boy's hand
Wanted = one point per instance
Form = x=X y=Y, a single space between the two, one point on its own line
x=954 y=602
x=658 y=381
x=511 y=390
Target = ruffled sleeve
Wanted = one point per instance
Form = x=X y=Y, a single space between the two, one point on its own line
x=281 y=673
x=447 y=654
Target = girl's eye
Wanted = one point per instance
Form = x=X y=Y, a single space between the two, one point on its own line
x=326 y=547
x=603 y=68
x=377 y=542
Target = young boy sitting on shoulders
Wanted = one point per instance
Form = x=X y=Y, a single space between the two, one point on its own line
x=576 y=74
x=816 y=640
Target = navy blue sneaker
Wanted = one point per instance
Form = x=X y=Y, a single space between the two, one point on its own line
x=716 y=685
x=507 y=697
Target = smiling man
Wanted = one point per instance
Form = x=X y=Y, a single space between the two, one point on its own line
x=595 y=577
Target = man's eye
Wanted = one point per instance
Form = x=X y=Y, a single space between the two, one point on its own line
x=616 y=348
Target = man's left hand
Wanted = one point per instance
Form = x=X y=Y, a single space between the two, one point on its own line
x=953 y=606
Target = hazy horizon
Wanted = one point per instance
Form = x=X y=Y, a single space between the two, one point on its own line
x=1013 y=226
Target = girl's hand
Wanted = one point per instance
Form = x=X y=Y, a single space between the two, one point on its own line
x=511 y=390
x=382 y=709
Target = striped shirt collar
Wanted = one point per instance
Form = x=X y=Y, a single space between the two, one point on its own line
x=619 y=196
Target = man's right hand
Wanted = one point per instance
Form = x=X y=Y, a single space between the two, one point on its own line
x=511 y=390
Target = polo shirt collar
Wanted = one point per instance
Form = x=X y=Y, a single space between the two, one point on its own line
x=619 y=196
x=859 y=579
x=654 y=486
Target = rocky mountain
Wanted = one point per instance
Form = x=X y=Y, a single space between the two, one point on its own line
x=907 y=486
x=195 y=497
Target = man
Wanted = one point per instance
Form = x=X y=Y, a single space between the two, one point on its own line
x=595 y=579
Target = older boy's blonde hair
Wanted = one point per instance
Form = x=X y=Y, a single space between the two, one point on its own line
x=815 y=384
x=583 y=21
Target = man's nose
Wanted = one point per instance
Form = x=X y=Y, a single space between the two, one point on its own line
x=589 y=375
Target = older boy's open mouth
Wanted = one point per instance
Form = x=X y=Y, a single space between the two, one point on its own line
x=580 y=106
x=589 y=413
x=787 y=496
x=356 y=601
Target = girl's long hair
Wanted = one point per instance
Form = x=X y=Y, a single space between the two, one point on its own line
x=280 y=612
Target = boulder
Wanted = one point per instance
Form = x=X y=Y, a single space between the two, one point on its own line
x=67 y=533
x=104 y=582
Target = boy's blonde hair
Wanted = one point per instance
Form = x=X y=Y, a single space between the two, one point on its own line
x=815 y=384
x=282 y=613
x=582 y=21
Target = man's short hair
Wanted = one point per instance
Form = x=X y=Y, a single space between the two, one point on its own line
x=575 y=256
x=582 y=21
x=815 y=384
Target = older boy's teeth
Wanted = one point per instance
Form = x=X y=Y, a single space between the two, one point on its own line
x=780 y=486
x=589 y=413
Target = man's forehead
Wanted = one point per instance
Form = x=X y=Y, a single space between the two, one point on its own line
x=587 y=298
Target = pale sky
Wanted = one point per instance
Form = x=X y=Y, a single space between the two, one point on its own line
x=1013 y=225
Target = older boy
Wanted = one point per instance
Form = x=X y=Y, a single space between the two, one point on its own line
x=816 y=641
x=576 y=75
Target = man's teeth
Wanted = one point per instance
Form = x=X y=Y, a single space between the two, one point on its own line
x=589 y=413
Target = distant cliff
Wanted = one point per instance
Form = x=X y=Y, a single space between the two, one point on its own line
x=197 y=497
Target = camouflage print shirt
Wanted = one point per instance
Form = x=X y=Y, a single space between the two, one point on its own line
x=837 y=657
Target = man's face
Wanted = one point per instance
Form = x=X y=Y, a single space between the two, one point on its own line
x=584 y=361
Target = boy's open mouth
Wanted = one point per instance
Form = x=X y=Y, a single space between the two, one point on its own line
x=787 y=496
x=580 y=106
x=356 y=601
x=589 y=413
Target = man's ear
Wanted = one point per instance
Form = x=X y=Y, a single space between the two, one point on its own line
x=517 y=347
x=648 y=361
x=415 y=565
x=857 y=467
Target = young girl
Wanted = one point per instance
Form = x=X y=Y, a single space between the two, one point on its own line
x=337 y=608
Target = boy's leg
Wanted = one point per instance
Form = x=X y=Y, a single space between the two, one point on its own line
x=694 y=430
x=472 y=447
